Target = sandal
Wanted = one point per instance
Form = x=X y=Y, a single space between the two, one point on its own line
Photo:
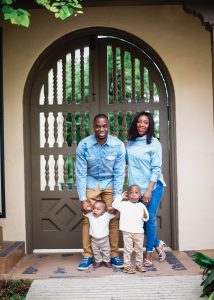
x=161 y=253
x=147 y=263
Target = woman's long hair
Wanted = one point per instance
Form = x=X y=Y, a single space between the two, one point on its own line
x=133 y=133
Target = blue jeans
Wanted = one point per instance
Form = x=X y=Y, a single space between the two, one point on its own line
x=151 y=225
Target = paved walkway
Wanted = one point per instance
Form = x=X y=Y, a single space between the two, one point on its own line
x=63 y=266
x=121 y=287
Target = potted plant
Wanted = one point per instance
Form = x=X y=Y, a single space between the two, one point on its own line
x=207 y=264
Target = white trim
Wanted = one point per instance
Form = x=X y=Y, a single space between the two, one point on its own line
x=68 y=251
x=60 y=251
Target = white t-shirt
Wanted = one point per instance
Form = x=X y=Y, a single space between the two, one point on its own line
x=99 y=226
x=131 y=215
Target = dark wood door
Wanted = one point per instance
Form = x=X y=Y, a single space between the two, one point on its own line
x=75 y=82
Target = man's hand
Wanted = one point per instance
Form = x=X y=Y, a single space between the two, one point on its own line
x=112 y=210
x=86 y=206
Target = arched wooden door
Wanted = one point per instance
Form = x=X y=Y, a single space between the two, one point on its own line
x=76 y=80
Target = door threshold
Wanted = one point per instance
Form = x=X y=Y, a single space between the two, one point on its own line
x=60 y=251
x=73 y=251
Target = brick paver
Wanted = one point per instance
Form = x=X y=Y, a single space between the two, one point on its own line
x=65 y=266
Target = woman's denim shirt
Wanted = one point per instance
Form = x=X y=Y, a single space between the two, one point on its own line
x=100 y=165
x=144 y=162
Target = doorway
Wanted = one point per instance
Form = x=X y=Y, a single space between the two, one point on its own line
x=84 y=73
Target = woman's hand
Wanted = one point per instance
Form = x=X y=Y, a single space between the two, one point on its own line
x=148 y=193
x=147 y=197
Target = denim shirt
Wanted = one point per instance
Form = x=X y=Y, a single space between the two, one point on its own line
x=144 y=162
x=100 y=165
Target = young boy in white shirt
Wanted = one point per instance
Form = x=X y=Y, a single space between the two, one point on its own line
x=132 y=216
x=99 y=231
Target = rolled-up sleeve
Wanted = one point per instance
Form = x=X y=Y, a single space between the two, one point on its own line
x=156 y=162
x=119 y=171
x=81 y=172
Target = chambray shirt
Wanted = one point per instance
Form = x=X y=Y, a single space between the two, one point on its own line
x=100 y=165
x=144 y=162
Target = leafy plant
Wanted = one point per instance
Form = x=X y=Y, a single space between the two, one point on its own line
x=14 y=289
x=61 y=8
x=207 y=264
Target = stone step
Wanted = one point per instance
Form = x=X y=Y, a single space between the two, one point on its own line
x=121 y=287
x=10 y=254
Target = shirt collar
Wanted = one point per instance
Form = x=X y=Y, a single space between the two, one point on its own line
x=141 y=138
x=108 y=141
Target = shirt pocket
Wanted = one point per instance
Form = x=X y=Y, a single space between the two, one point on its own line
x=91 y=160
x=110 y=160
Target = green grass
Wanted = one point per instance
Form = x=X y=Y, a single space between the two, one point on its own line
x=14 y=289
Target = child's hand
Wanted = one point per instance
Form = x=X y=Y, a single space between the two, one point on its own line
x=112 y=210
x=125 y=195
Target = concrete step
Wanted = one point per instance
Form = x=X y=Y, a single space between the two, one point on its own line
x=10 y=254
x=122 y=287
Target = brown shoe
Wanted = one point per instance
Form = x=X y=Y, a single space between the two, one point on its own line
x=129 y=270
x=98 y=264
x=107 y=264
x=140 y=269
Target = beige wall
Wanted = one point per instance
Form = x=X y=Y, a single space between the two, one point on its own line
x=184 y=45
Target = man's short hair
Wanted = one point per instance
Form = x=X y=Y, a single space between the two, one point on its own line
x=103 y=116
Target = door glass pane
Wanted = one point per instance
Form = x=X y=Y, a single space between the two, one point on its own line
x=128 y=79
x=157 y=123
x=156 y=96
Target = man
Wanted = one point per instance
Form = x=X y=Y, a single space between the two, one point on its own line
x=100 y=171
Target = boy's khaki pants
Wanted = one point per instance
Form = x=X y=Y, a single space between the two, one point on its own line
x=107 y=196
x=133 y=242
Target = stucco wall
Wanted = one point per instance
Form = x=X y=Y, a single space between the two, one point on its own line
x=184 y=45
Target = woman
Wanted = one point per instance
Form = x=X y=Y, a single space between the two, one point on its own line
x=144 y=158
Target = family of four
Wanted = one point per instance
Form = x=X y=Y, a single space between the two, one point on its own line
x=100 y=171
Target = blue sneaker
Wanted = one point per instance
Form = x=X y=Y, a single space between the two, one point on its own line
x=85 y=263
x=116 y=262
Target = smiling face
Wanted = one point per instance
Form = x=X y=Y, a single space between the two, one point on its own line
x=134 y=193
x=142 y=125
x=101 y=128
x=98 y=209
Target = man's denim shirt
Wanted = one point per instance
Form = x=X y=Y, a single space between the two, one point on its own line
x=100 y=165
x=144 y=162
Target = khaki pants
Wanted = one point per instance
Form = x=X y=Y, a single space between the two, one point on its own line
x=133 y=241
x=101 y=249
x=107 y=196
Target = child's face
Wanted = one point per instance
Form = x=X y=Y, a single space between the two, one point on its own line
x=134 y=194
x=98 y=209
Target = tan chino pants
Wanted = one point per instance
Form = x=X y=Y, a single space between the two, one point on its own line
x=107 y=196
x=133 y=242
